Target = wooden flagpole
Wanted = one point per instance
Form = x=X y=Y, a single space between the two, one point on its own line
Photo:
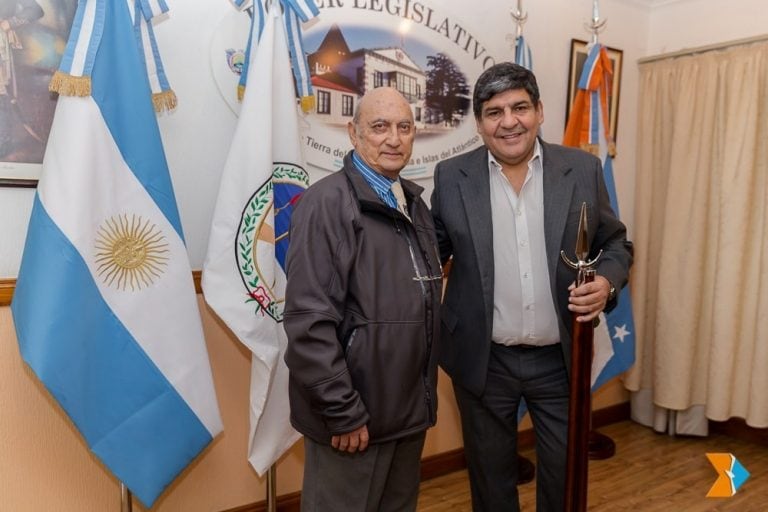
x=579 y=413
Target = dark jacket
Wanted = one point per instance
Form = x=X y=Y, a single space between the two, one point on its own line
x=361 y=311
x=461 y=208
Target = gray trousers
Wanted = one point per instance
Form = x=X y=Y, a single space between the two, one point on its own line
x=383 y=478
x=489 y=427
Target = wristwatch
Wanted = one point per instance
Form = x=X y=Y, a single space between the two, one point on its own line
x=611 y=292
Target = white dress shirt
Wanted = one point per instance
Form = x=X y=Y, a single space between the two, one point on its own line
x=523 y=309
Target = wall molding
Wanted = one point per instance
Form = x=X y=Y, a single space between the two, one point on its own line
x=7 y=287
x=738 y=429
x=6 y=291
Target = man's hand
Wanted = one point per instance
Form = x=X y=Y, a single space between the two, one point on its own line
x=355 y=441
x=589 y=299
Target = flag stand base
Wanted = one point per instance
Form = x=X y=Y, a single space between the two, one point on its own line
x=600 y=446
x=526 y=470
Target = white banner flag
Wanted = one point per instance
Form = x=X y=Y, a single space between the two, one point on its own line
x=243 y=274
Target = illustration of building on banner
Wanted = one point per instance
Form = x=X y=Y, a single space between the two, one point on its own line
x=341 y=76
x=436 y=90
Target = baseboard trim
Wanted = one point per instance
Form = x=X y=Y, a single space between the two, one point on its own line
x=447 y=462
x=7 y=286
x=738 y=429
x=442 y=463
x=286 y=503
x=611 y=414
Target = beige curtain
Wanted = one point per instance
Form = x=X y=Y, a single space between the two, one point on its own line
x=700 y=279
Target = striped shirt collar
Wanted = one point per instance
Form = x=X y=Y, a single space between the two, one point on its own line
x=380 y=184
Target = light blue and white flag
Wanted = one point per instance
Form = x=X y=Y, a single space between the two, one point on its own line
x=105 y=307
x=295 y=12
x=615 y=336
x=244 y=271
x=523 y=55
x=588 y=129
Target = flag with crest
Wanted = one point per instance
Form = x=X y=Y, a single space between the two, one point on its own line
x=244 y=271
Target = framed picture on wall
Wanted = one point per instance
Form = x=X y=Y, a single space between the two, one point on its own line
x=34 y=34
x=578 y=58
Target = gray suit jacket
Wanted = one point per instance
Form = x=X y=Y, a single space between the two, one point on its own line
x=461 y=208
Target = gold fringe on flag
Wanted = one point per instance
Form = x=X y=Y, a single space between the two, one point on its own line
x=612 y=149
x=592 y=148
x=164 y=101
x=307 y=103
x=68 y=85
x=240 y=92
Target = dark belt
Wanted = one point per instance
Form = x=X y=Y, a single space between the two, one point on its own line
x=524 y=346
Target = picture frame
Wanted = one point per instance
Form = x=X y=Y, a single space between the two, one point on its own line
x=39 y=34
x=576 y=65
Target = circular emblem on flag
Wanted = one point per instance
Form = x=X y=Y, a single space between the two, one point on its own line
x=131 y=252
x=262 y=238
x=235 y=60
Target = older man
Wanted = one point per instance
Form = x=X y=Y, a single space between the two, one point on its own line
x=361 y=313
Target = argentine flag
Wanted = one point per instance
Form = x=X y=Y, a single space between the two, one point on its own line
x=523 y=54
x=587 y=128
x=105 y=308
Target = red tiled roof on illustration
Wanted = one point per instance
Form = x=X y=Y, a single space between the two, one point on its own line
x=334 y=81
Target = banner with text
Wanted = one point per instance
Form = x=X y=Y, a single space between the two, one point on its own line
x=357 y=45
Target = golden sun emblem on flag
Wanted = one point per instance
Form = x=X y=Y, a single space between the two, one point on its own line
x=130 y=252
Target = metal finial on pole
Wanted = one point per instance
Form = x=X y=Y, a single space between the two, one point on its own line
x=596 y=25
x=126 y=502
x=520 y=18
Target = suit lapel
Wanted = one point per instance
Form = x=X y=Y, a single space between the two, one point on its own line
x=558 y=191
x=475 y=190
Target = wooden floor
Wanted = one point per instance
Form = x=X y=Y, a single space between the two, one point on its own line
x=650 y=472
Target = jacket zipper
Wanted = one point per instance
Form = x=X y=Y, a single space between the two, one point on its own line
x=421 y=279
x=350 y=339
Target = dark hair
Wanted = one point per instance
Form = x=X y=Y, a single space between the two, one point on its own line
x=502 y=77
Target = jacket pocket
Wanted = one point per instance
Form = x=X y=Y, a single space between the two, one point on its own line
x=387 y=363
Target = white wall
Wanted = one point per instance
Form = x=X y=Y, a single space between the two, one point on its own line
x=196 y=135
x=681 y=24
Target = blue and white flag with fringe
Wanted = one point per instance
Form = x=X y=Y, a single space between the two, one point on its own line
x=523 y=54
x=105 y=308
x=294 y=13
x=588 y=128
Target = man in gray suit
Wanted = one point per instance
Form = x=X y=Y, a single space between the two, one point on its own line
x=504 y=212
